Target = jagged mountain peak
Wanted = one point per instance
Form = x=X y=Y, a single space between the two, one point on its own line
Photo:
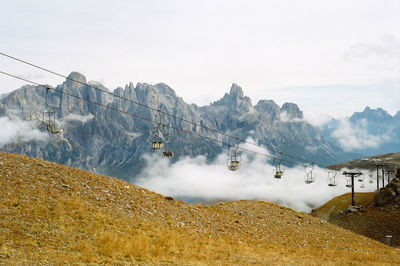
x=236 y=91
x=268 y=106
x=73 y=77
x=292 y=110
x=377 y=114
x=235 y=99
x=108 y=133
x=165 y=89
x=131 y=85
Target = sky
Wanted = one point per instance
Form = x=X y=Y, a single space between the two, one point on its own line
x=332 y=58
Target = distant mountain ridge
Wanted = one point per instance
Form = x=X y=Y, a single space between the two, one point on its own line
x=113 y=143
x=372 y=122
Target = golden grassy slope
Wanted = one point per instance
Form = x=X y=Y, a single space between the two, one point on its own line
x=340 y=203
x=51 y=213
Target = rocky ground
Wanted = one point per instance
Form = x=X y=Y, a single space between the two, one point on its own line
x=52 y=214
x=376 y=216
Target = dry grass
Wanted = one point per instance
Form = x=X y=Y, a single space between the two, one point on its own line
x=340 y=203
x=53 y=214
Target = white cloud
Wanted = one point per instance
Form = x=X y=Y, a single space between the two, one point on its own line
x=317 y=119
x=356 y=136
x=385 y=47
x=195 y=178
x=16 y=131
x=286 y=118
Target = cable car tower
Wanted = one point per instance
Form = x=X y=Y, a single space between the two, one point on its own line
x=49 y=117
x=350 y=183
x=233 y=162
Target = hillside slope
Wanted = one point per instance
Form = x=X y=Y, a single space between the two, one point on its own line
x=52 y=214
x=368 y=163
x=340 y=203
x=374 y=222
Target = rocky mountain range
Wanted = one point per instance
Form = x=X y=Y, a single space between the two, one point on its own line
x=379 y=129
x=113 y=143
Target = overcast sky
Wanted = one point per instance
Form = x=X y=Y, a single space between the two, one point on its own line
x=329 y=57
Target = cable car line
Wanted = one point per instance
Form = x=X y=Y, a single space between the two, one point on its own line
x=155 y=109
x=310 y=175
x=147 y=119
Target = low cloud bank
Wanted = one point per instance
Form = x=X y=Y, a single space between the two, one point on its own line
x=195 y=178
x=17 y=131
x=317 y=119
x=287 y=118
x=356 y=136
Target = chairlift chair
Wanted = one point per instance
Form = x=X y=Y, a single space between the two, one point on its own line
x=168 y=154
x=49 y=117
x=278 y=171
x=370 y=178
x=362 y=184
x=167 y=151
x=332 y=182
x=278 y=174
x=310 y=175
x=348 y=182
x=233 y=162
x=158 y=144
x=233 y=165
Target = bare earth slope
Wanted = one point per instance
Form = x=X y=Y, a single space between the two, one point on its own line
x=375 y=222
x=51 y=213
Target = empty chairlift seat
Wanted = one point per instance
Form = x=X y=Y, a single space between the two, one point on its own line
x=278 y=174
x=156 y=145
x=332 y=181
x=168 y=154
x=233 y=165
